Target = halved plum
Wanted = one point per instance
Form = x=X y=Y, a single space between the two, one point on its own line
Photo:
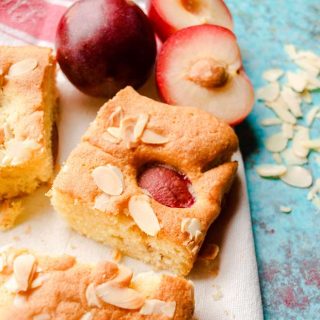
x=169 y=16
x=201 y=66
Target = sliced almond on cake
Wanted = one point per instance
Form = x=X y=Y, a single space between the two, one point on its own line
x=142 y=213
x=151 y=137
x=125 y=298
x=109 y=179
x=22 y=67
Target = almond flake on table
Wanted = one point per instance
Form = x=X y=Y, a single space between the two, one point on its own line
x=271 y=170
x=277 y=142
x=270 y=92
x=312 y=144
x=285 y=209
x=272 y=75
x=287 y=130
x=284 y=114
x=298 y=177
x=293 y=101
x=311 y=115
x=291 y=159
x=270 y=121
x=300 y=136
x=291 y=51
x=297 y=81
x=306 y=65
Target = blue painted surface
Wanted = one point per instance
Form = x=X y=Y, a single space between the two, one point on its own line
x=287 y=245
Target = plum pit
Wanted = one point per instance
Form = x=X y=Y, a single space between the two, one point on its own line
x=166 y=185
x=208 y=73
x=192 y=6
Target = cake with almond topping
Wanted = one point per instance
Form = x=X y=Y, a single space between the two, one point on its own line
x=27 y=110
x=36 y=287
x=148 y=179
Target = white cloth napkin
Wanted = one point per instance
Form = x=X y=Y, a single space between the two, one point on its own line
x=232 y=294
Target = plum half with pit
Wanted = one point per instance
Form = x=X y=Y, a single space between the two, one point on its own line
x=105 y=45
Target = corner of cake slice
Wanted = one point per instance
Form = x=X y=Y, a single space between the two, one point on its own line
x=27 y=113
x=98 y=192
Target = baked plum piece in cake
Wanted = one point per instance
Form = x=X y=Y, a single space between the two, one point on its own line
x=27 y=110
x=148 y=179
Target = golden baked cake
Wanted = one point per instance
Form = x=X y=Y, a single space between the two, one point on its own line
x=35 y=287
x=27 y=110
x=100 y=192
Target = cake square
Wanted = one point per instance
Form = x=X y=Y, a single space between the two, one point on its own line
x=98 y=193
x=34 y=286
x=27 y=111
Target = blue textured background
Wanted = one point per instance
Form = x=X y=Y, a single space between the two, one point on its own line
x=287 y=246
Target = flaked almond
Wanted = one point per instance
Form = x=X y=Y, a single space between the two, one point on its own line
x=23 y=269
x=311 y=115
x=291 y=159
x=158 y=307
x=284 y=114
x=307 y=65
x=271 y=170
x=102 y=202
x=110 y=138
x=91 y=296
x=285 y=209
x=270 y=92
x=109 y=179
x=298 y=148
x=123 y=277
x=151 y=137
x=293 y=101
x=192 y=226
x=11 y=285
x=298 y=177
x=276 y=143
x=115 y=132
x=22 y=67
x=125 y=298
x=311 y=144
x=87 y=316
x=115 y=117
x=270 y=121
x=140 y=125
x=297 y=81
x=287 y=130
x=142 y=213
x=291 y=51
x=127 y=126
x=272 y=75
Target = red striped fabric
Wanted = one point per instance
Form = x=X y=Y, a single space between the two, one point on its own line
x=36 y=18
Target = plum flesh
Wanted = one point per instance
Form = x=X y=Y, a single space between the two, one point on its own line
x=167 y=186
